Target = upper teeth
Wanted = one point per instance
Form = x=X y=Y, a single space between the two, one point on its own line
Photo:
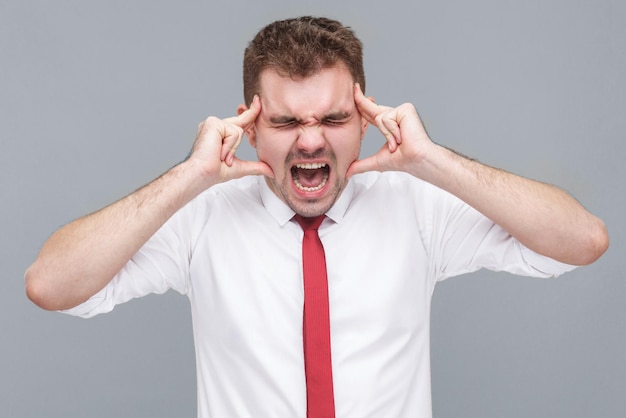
x=311 y=166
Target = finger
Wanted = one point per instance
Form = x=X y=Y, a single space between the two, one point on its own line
x=251 y=168
x=234 y=128
x=231 y=138
x=362 y=166
x=378 y=116
x=248 y=116
x=391 y=124
x=230 y=157
x=366 y=107
x=387 y=125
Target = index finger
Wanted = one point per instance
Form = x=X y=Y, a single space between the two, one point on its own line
x=374 y=114
x=248 y=116
x=367 y=107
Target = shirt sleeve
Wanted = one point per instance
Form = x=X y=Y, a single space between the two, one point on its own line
x=462 y=240
x=161 y=264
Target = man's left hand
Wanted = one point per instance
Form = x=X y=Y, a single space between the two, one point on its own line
x=407 y=140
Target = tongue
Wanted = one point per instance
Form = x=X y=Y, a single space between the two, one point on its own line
x=310 y=178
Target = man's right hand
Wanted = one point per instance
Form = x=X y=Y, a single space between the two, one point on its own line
x=216 y=143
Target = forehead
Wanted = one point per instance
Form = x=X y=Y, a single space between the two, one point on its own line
x=330 y=90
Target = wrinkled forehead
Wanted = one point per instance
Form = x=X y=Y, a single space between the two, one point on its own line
x=329 y=91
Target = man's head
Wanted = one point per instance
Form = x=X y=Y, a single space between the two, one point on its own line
x=301 y=47
x=309 y=129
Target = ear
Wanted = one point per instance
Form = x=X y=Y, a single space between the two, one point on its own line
x=250 y=132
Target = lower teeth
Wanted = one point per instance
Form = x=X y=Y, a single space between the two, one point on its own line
x=311 y=189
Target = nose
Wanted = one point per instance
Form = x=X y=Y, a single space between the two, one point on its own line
x=311 y=138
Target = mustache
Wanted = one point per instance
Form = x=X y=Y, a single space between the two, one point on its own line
x=319 y=154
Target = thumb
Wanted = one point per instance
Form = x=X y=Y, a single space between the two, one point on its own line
x=251 y=168
x=362 y=166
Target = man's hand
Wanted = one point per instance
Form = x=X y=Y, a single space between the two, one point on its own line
x=217 y=141
x=407 y=140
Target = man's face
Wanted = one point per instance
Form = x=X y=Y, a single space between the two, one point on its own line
x=309 y=131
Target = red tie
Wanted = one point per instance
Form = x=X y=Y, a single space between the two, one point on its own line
x=316 y=333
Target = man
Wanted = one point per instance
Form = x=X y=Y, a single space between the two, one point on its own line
x=223 y=232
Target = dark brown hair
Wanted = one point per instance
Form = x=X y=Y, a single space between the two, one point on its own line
x=301 y=47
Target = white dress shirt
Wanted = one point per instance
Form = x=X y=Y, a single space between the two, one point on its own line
x=236 y=253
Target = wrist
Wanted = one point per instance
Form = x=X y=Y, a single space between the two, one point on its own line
x=434 y=164
x=190 y=178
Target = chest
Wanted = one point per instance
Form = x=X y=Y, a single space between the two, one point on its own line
x=252 y=281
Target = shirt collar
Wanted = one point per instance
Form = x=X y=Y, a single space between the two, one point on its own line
x=283 y=213
x=338 y=210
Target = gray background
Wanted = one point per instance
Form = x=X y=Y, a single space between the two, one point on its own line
x=98 y=98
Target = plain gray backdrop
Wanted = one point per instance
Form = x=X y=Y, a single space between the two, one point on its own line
x=98 y=98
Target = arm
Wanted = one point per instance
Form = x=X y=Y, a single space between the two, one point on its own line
x=542 y=217
x=83 y=256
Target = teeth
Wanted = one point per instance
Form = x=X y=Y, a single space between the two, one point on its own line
x=311 y=189
x=310 y=166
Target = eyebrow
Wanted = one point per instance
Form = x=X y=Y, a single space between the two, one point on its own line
x=280 y=120
x=339 y=115
x=284 y=119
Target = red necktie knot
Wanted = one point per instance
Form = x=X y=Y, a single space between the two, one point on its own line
x=308 y=224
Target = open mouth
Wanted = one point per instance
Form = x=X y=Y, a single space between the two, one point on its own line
x=310 y=177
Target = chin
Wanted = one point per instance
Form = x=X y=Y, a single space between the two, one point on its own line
x=309 y=209
x=314 y=207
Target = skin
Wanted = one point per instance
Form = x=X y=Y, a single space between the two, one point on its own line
x=319 y=119
x=291 y=129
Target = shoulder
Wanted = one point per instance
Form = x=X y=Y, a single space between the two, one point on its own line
x=228 y=198
x=240 y=191
x=395 y=183
x=406 y=196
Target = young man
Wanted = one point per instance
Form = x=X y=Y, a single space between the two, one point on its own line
x=222 y=231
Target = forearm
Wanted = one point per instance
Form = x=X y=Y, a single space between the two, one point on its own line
x=83 y=256
x=542 y=217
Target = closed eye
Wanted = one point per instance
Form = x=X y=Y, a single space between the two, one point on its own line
x=285 y=125
x=286 y=122
x=336 y=118
x=283 y=122
x=333 y=122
